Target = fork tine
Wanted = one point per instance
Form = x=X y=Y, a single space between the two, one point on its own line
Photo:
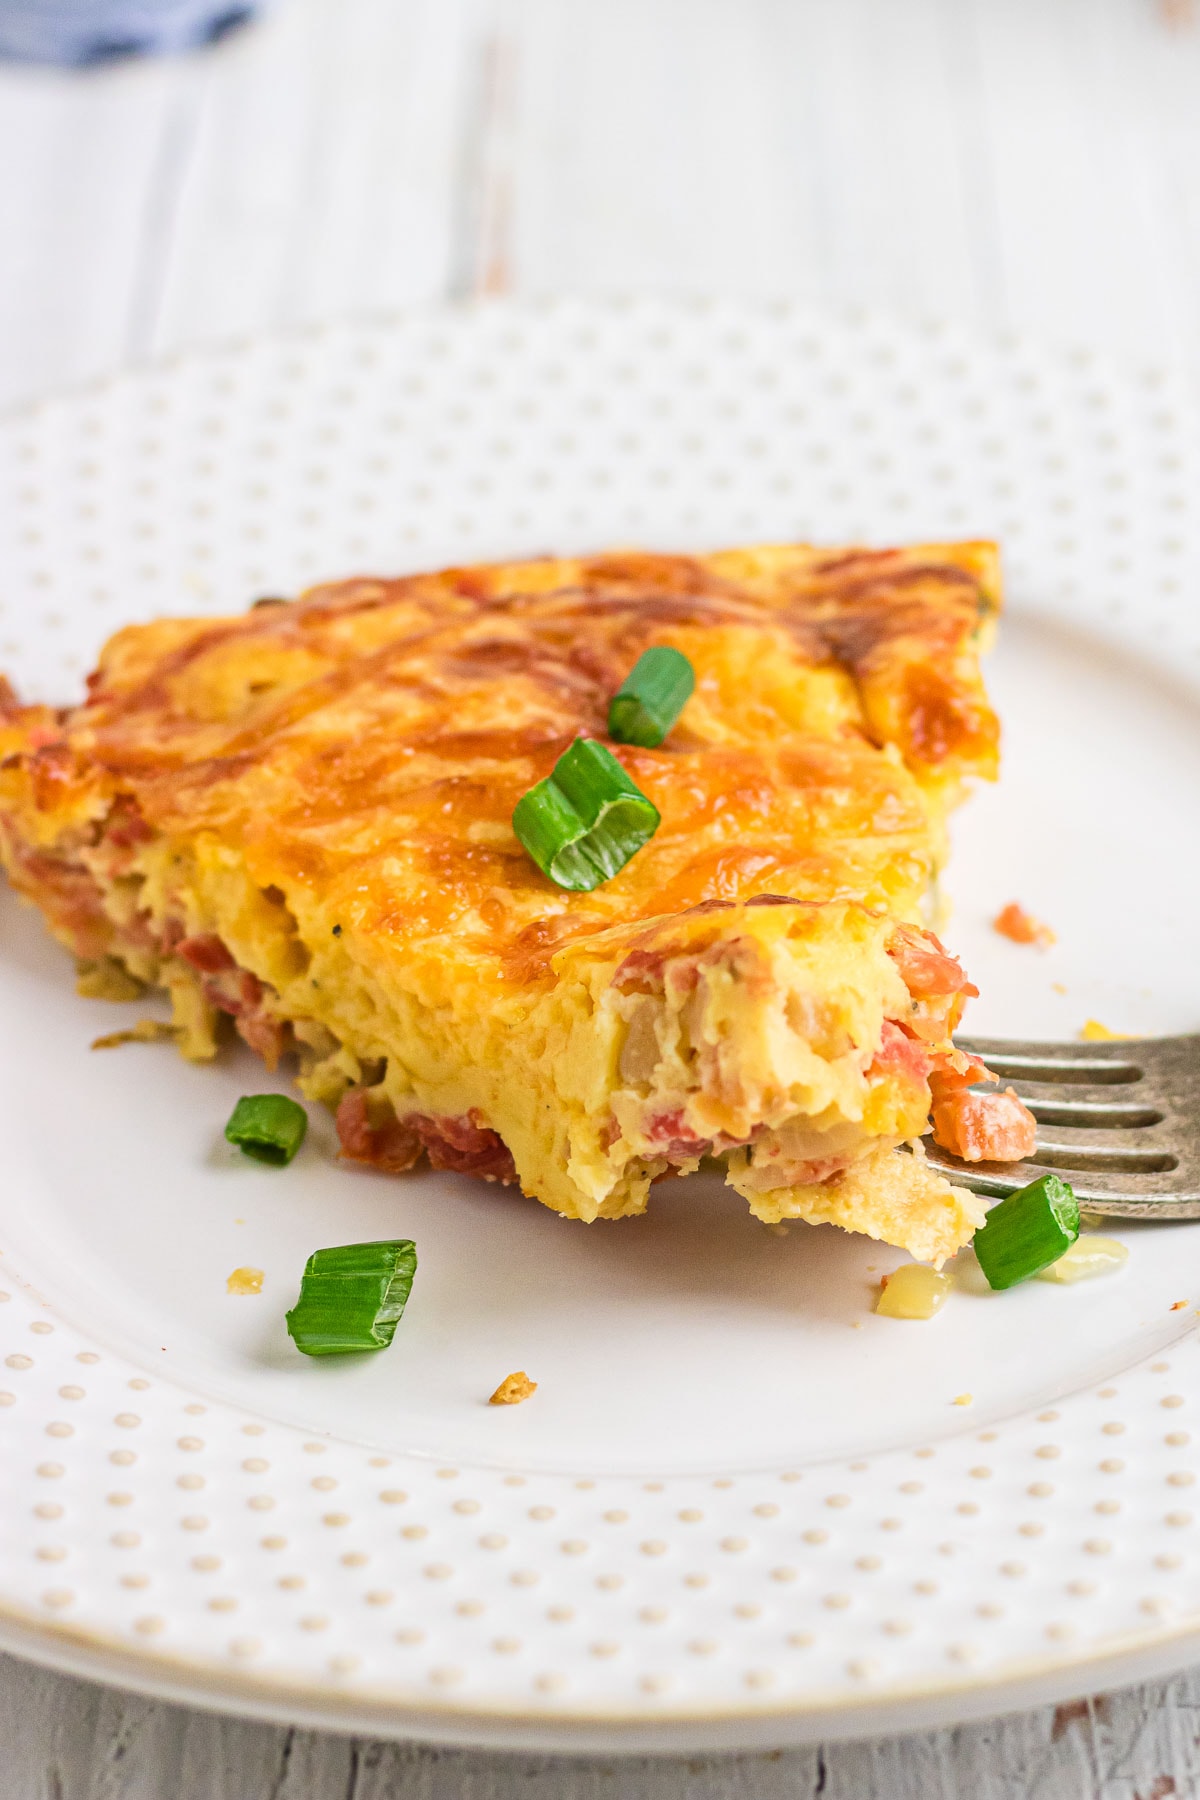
x=1101 y=1065
x=1065 y=1050
x=1106 y=1188
x=1120 y=1120
x=1132 y=1153
x=1067 y=1107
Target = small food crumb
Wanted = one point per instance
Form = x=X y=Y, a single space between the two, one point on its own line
x=513 y=1389
x=245 y=1281
x=1178 y=1305
x=963 y=1400
x=1093 y=1032
x=1088 y=1256
x=1060 y=987
x=146 y=1031
x=1012 y=921
x=912 y=1292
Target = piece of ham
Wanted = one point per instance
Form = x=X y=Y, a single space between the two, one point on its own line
x=928 y=970
x=669 y=1134
x=390 y=1145
x=900 y=1053
x=983 y=1127
x=465 y=1145
x=935 y=980
x=237 y=992
x=1013 y=922
x=206 y=953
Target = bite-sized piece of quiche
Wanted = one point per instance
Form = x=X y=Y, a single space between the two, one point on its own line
x=300 y=819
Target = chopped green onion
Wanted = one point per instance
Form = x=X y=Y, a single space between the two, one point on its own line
x=584 y=822
x=651 y=697
x=1027 y=1232
x=352 y=1297
x=268 y=1127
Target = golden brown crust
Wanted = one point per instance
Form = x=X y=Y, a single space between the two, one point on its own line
x=371 y=740
x=301 y=819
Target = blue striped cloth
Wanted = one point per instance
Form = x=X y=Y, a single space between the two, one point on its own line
x=79 y=32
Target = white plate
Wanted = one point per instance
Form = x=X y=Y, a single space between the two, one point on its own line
x=740 y=1509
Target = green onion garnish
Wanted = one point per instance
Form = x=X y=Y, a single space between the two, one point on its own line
x=651 y=697
x=1027 y=1231
x=584 y=822
x=268 y=1127
x=352 y=1296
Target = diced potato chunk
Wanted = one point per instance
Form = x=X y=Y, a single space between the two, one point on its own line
x=912 y=1292
x=1089 y=1255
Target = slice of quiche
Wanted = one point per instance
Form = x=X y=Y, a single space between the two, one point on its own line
x=300 y=819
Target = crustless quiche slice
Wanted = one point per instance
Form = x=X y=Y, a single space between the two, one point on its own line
x=301 y=819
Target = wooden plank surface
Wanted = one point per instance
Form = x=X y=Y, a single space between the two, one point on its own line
x=1018 y=164
x=62 y=1739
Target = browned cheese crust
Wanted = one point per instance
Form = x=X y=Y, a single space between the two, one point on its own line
x=335 y=778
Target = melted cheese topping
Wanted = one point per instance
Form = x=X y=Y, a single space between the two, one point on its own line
x=325 y=789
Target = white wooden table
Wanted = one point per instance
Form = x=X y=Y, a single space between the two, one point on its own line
x=1021 y=164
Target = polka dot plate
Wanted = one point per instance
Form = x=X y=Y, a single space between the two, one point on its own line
x=740 y=1508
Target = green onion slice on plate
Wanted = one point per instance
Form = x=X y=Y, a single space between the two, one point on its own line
x=651 y=697
x=268 y=1127
x=584 y=822
x=352 y=1297
x=1027 y=1231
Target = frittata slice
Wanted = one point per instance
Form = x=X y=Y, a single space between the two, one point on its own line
x=300 y=819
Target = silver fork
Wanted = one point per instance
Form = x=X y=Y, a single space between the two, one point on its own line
x=1119 y=1121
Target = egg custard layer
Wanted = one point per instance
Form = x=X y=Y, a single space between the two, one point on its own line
x=299 y=819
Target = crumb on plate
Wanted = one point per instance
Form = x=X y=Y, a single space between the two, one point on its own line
x=513 y=1389
x=963 y=1400
x=1093 y=1032
x=244 y=1281
x=146 y=1031
x=1060 y=987
x=1012 y=921
x=1178 y=1305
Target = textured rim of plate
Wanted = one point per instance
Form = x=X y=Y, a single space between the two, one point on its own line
x=701 y=1611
